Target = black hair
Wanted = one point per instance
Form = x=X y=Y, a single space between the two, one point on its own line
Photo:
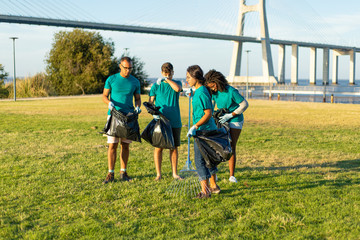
x=218 y=78
x=125 y=59
x=196 y=72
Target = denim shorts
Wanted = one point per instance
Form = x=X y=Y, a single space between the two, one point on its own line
x=236 y=125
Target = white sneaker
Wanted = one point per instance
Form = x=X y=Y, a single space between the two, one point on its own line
x=233 y=179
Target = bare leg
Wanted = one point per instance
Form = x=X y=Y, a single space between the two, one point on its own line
x=174 y=155
x=235 y=133
x=205 y=186
x=124 y=155
x=213 y=181
x=112 y=155
x=158 y=160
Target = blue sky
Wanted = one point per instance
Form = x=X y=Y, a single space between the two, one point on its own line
x=330 y=21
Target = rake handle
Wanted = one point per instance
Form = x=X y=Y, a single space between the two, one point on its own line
x=188 y=162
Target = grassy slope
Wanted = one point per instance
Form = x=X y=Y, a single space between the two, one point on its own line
x=298 y=171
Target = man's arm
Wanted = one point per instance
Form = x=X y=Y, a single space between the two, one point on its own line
x=137 y=100
x=105 y=96
x=173 y=85
x=151 y=99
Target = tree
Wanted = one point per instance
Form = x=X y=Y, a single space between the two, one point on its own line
x=3 y=74
x=79 y=62
x=4 y=93
x=138 y=70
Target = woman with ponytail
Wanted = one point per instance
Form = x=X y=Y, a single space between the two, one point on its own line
x=202 y=120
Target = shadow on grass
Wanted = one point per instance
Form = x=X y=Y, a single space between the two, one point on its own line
x=298 y=180
x=349 y=165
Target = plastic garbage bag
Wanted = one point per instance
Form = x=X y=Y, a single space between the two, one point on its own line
x=151 y=108
x=123 y=126
x=219 y=113
x=158 y=132
x=214 y=146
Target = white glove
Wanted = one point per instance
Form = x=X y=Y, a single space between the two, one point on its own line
x=192 y=131
x=189 y=92
x=226 y=117
x=156 y=117
x=111 y=106
x=158 y=81
x=137 y=110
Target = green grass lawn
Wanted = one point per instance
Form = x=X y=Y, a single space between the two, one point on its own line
x=298 y=171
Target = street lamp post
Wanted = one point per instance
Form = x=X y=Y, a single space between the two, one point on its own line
x=14 y=80
x=247 y=74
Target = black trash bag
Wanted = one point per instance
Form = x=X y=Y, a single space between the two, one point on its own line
x=219 y=113
x=214 y=146
x=121 y=126
x=151 y=108
x=158 y=132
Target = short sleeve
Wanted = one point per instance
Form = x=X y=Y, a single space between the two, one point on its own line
x=138 y=88
x=204 y=102
x=108 y=83
x=153 y=90
x=237 y=97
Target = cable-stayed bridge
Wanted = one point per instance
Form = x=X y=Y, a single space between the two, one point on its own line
x=239 y=38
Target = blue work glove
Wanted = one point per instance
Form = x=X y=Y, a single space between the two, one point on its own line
x=156 y=117
x=137 y=110
x=226 y=117
x=111 y=106
x=189 y=92
x=192 y=131
x=158 y=81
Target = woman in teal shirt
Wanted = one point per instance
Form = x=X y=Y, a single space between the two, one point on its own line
x=225 y=96
x=202 y=120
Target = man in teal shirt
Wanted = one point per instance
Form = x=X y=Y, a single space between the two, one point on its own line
x=165 y=93
x=123 y=88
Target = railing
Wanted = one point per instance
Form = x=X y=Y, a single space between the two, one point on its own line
x=339 y=94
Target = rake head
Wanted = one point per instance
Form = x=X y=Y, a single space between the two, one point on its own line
x=189 y=186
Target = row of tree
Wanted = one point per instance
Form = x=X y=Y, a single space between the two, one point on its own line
x=79 y=62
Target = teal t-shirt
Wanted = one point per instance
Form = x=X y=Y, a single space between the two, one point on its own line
x=168 y=100
x=229 y=99
x=201 y=101
x=122 y=91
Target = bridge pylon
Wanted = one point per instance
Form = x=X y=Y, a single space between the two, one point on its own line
x=267 y=64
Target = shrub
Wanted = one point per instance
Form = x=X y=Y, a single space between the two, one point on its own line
x=36 y=86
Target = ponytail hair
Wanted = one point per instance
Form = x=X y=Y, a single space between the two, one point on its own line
x=196 y=72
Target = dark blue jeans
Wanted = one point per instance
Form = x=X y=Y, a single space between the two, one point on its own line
x=203 y=171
